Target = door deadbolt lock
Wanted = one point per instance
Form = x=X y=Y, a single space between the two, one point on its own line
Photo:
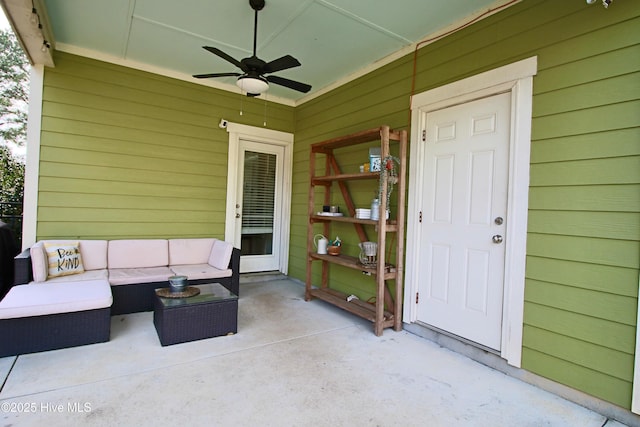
x=497 y=238
x=499 y=220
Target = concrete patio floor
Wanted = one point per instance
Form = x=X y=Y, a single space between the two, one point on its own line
x=292 y=363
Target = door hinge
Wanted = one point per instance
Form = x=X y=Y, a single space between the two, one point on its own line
x=420 y=217
x=424 y=135
x=417 y=297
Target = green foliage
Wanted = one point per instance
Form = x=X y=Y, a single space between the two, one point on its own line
x=11 y=190
x=11 y=177
x=14 y=96
x=14 y=89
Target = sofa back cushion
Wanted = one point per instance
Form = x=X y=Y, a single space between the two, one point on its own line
x=139 y=253
x=190 y=251
x=220 y=254
x=93 y=252
x=39 y=262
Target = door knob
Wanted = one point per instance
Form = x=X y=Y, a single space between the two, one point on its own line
x=497 y=238
x=237 y=215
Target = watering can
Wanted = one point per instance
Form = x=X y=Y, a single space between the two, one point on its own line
x=320 y=242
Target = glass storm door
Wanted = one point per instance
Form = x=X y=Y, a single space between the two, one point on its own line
x=259 y=212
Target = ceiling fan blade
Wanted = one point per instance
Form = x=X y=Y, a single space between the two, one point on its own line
x=280 y=64
x=207 y=76
x=291 y=84
x=225 y=56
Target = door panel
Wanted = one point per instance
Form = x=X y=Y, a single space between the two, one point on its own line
x=259 y=214
x=465 y=189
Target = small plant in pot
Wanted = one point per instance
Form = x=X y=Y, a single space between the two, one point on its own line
x=334 y=246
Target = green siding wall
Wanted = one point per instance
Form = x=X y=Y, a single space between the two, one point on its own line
x=584 y=223
x=583 y=246
x=128 y=154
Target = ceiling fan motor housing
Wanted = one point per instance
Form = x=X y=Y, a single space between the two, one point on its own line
x=256 y=4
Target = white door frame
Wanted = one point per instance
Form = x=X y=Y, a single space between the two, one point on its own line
x=516 y=78
x=266 y=136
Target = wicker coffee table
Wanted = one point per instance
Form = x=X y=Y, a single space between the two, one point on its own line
x=212 y=313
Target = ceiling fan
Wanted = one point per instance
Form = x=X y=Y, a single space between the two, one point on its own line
x=252 y=79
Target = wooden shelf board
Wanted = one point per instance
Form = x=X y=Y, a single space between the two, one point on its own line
x=322 y=180
x=350 y=262
x=353 y=139
x=391 y=224
x=356 y=306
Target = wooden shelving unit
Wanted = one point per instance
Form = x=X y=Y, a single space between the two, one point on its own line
x=386 y=312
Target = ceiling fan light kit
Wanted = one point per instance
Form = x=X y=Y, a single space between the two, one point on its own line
x=252 y=85
x=252 y=79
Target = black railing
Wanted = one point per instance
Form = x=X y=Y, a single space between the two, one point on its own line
x=11 y=214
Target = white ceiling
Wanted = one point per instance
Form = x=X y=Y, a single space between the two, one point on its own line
x=333 y=39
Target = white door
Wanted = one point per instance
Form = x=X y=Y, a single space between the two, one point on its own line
x=462 y=249
x=259 y=206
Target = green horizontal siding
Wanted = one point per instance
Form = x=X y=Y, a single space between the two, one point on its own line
x=131 y=154
x=611 y=306
x=584 y=275
x=582 y=353
x=583 y=247
x=590 y=381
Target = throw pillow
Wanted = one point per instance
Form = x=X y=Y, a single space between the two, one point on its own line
x=64 y=259
x=220 y=254
x=39 y=262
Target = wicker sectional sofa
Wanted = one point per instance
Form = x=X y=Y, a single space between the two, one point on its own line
x=41 y=313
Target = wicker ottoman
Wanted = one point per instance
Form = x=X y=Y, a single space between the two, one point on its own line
x=212 y=313
x=50 y=316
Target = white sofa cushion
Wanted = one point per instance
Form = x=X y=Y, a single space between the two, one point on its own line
x=140 y=253
x=87 y=275
x=190 y=251
x=53 y=298
x=39 y=262
x=94 y=254
x=129 y=276
x=220 y=254
x=200 y=271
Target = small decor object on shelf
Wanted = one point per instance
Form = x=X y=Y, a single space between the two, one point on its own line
x=321 y=243
x=333 y=250
x=334 y=246
x=363 y=213
x=375 y=209
x=374 y=159
x=389 y=173
x=177 y=283
x=368 y=253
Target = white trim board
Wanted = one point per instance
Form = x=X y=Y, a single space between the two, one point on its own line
x=266 y=136
x=32 y=167
x=516 y=78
